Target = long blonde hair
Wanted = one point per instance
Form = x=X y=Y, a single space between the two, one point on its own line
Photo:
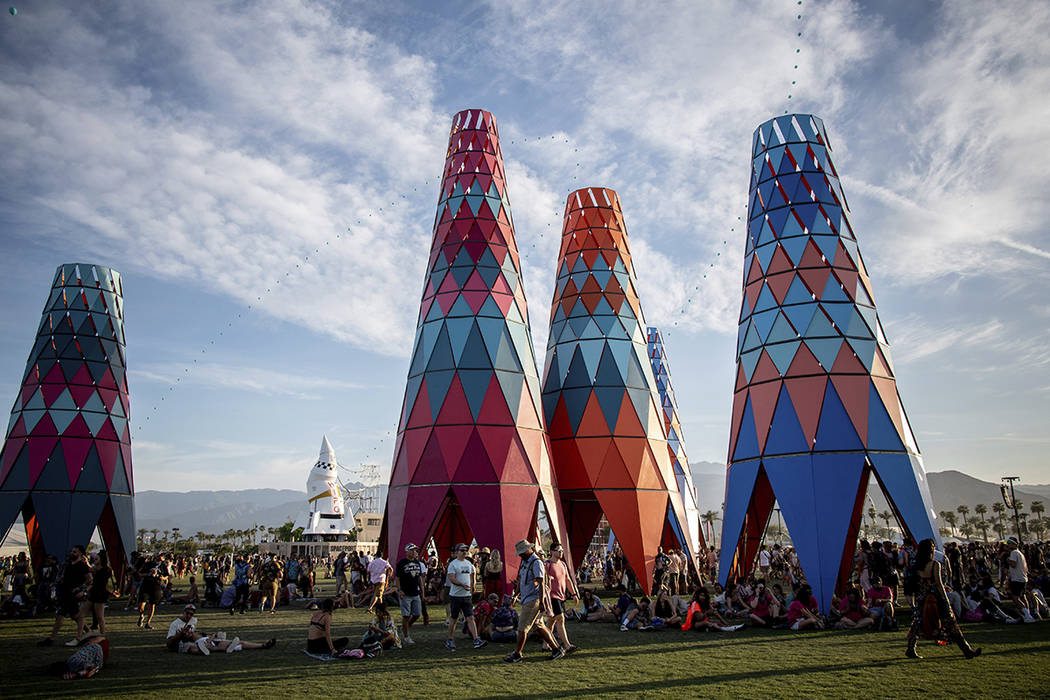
x=495 y=564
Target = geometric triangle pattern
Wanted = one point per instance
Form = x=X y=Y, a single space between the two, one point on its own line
x=675 y=441
x=471 y=458
x=814 y=376
x=600 y=398
x=67 y=451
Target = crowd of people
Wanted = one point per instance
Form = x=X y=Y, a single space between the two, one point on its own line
x=1005 y=583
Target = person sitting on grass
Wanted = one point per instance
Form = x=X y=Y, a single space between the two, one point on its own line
x=87 y=660
x=638 y=616
x=701 y=610
x=483 y=613
x=184 y=638
x=503 y=627
x=383 y=628
x=319 y=633
x=804 y=613
x=855 y=615
x=736 y=600
x=593 y=610
x=623 y=604
x=763 y=607
x=880 y=604
x=664 y=611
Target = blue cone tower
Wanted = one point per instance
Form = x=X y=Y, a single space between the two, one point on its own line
x=816 y=411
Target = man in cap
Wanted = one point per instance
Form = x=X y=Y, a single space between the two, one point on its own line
x=531 y=594
x=410 y=574
x=460 y=578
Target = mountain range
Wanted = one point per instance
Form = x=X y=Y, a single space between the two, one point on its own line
x=216 y=512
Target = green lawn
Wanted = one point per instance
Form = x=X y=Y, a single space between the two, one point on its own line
x=749 y=663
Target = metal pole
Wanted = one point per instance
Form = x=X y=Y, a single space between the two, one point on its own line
x=1013 y=503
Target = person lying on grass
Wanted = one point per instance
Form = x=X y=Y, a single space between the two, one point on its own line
x=184 y=638
x=87 y=660
x=701 y=610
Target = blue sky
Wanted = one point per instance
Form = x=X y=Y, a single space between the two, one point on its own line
x=207 y=151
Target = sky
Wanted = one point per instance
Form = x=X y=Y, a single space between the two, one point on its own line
x=265 y=176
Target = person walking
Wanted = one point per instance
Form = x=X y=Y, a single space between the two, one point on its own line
x=242 y=580
x=410 y=574
x=532 y=592
x=268 y=582
x=97 y=596
x=460 y=579
x=561 y=586
x=933 y=615
x=73 y=585
x=1017 y=576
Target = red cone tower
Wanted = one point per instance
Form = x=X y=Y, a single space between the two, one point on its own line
x=472 y=458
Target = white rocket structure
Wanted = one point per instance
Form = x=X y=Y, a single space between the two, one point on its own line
x=329 y=514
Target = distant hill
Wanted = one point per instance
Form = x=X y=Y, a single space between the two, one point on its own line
x=217 y=511
x=950 y=489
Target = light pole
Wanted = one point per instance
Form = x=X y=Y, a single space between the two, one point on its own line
x=1007 y=489
x=780 y=527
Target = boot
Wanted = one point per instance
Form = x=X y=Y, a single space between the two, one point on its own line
x=911 y=653
x=968 y=651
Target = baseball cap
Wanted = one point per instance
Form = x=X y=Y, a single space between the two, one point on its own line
x=409 y=547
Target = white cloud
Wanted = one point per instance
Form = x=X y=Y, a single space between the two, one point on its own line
x=268 y=130
x=257 y=380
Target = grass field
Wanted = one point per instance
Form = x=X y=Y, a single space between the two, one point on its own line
x=746 y=664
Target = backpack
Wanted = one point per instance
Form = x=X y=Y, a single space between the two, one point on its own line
x=371 y=646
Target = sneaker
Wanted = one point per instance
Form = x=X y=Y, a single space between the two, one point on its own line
x=479 y=642
x=202 y=644
x=147 y=626
x=270 y=643
x=557 y=654
x=408 y=640
x=231 y=612
x=72 y=642
x=230 y=648
x=572 y=649
x=1011 y=621
x=450 y=645
x=513 y=658
x=623 y=628
x=645 y=627
x=1028 y=618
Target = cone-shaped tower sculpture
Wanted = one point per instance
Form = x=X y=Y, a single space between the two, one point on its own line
x=66 y=462
x=599 y=393
x=816 y=409
x=471 y=457
x=675 y=442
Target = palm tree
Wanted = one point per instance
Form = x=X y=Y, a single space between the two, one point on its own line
x=709 y=519
x=1037 y=508
x=999 y=529
x=998 y=508
x=981 y=510
x=949 y=517
x=966 y=530
x=963 y=511
x=142 y=538
x=872 y=515
x=886 y=516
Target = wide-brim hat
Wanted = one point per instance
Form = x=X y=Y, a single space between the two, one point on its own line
x=522 y=546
